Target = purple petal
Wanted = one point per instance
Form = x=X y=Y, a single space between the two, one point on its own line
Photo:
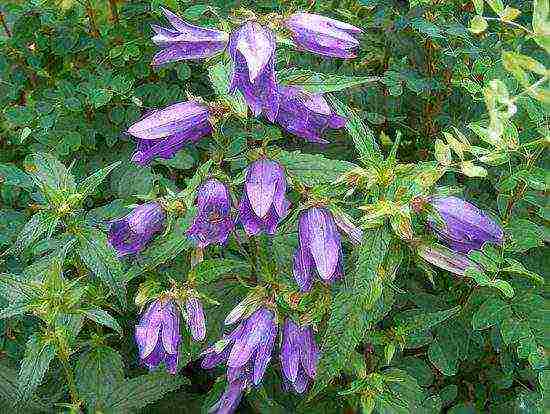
x=261 y=181
x=195 y=318
x=302 y=265
x=257 y=45
x=263 y=355
x=309 y=355
x=290 y=357
x=170 y=328
x=175 y=52
x=256 y=331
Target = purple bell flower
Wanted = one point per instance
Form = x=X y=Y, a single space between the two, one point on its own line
x=252 y=49
x=446 y=259
x=213 y=222
x=184 y=41
x=319 y=248
x=306 y=114
x=323 y=35
x=162 y=133
x=158 y=335
x=196 y=322
x=263 y=204
x=465 y=227
x=130 y=234
x=230 y=399
x=299 y=355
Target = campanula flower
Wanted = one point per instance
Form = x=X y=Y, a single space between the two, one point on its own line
x=130 y=234
x=158 y=335
x=263 y=204
x=231 y=397
x=252 y=49
x=162 y=133
x=463 y=226
x=323 y=35
x=446 y=259
x=194 y=314
x=319 y=249
x=306 y=114
x=213 y=222
x=184 y=41
x=299 y=355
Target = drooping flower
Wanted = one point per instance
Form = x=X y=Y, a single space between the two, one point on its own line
x=446 y=259
x=130 y=234
x=194 y=314
x=323 y=35
x=184 y=41
x=464 y=227
x=346 y=226
x=319 y=249
x=158 y=335
x=263 y=204
x=306 y=114
x=231 y=397
x=162 y=133
x=299 y=355
x=252 y=49
x=213 y=222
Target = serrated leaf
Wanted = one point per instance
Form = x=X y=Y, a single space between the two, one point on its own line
x=16 y=290
x=541 y=23
x=34 y=365
x=421 y=321
x=220 y=76
x=320 y=82
x=491 y=312
x=11 y=175
x=210 y=270
x=9 y=392
x=14 y=309
x=103 y=318
x=41 y=224
x=88 y=186
x=50 y=172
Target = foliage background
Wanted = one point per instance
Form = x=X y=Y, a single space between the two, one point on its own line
x=70 y=86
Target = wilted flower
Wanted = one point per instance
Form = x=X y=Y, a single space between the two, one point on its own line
x=319 y=248
x=465 y=227
x=158 y=335
x=130 y=234
x=213 y=221
x=252 y=49
x=299 y=355
x=194 y=314
x=185 y=41
x=323 y=35
x=446 y=259
x=164 y=132
x=306 y=114
x=263 y=204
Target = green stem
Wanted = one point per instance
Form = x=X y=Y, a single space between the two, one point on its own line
x=69 y=375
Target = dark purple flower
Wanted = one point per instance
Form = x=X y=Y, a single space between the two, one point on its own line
x=184 y=41
x=213 y=221
x=162 y=133
x=465 y=227
x=252 y=49
x=306 y=114
x=130 y=234
x=299 y=355
x=319 y=248
x=323 y=35
x=263 y=204
x=196 y=321
x=247 y=349
x=446 y=259
x=158 y=335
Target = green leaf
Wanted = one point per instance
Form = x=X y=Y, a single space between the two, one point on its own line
x=181 y=161
x=426 y=27
x=320 y=82
x=541 y=23
x=41 y=224
x=88 y=186
x=195 y=12
x=98 y=372
x=103 y=318
x=15 y=308
x=102 y=260
x=496 y=5
x=16 y=290
x=49 y=173
x=220 y=76
x=129 y=179
x=100 y=97
x=517 y=268
x=38 y=355
x=420 y=320
x=491 y=312
x=11 y=175
x=312 y=169
x=211 y=270
x=478 y=24
x=9 y=392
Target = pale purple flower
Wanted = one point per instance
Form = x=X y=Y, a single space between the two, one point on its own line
x=446 y=259
x=213 y=222
x=130 y=234
x=465 y=227
x=162 y=133
x=319 y=248
x=263 y=204
x=247 y=349
x=306 y=114
x=158 y=335
x=346 y=226
x=184 y=41
x=252 y=49
x=196 y=322
x=231 y=397
x=299 y=355
x=323 y=35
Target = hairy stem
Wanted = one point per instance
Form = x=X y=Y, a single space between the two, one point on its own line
x=90 y=12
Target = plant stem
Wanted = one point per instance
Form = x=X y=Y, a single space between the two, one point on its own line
x=113 y=11
x=4 y=24
x=70 y=379
x=91 y=17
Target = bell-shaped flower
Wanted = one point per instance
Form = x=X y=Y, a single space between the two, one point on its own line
x=194 y=315
x=323 y=35
x=162 y=133
x=213 y=222
x=263 y=204
x=158 y=335
x=306 y=114
x=184 y=41
x=299 y=355
x=252 y=49
x=446 y=259
x=463 y=226
x=320 y=248
x=130 y=234
x=231 y=397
